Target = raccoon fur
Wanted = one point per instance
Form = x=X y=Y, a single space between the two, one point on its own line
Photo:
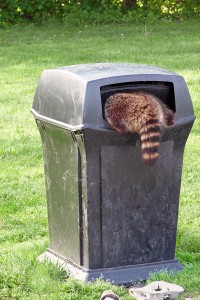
x=141 y=113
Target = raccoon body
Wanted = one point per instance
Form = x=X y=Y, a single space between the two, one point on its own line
x=140 y=113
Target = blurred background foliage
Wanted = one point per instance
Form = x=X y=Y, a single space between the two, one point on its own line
x=97 y=11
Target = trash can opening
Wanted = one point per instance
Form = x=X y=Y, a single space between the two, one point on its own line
x=162 y=90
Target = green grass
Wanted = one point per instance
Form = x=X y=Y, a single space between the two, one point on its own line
x=24 y=53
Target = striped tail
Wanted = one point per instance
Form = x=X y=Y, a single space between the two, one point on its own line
x=150 y=135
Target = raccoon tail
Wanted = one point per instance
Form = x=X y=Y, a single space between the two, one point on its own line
x=150 y=135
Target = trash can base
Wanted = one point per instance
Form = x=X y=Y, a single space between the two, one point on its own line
x=126 y=275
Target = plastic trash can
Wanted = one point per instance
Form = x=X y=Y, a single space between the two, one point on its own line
x=109 y=215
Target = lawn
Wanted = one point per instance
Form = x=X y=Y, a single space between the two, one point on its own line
x=24 y=53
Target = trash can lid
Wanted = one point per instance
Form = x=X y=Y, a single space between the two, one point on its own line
x=70 y=97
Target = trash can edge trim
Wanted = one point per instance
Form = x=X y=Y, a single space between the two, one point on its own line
x=94 y=127
x=55 y=122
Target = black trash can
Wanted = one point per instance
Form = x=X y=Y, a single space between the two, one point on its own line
x=109 y=215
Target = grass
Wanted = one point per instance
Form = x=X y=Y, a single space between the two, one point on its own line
x=24 y=53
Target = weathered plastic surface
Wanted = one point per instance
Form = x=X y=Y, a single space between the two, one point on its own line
x=109 y=215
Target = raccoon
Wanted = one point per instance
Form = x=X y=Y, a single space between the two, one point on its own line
x=141 y=113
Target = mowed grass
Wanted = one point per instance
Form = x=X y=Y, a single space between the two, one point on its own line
x=24 y=53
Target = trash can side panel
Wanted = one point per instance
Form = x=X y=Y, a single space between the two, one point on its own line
x=60 y=97
x=61 y=177
x=138 y=209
